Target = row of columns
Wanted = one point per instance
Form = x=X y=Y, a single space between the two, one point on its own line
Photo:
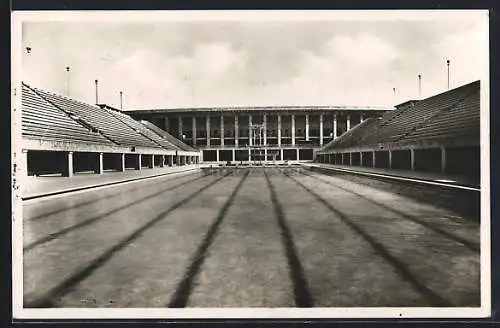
x=233 y=151
x=167 y=160
x=443 y=158
x=236 y=128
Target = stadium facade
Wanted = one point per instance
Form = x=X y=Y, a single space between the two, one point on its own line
x=255 y=134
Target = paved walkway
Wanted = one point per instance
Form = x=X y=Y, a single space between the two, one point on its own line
x=48 y=185
x=427 y=176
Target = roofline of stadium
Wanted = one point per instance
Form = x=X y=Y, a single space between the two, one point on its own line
x=258 y=109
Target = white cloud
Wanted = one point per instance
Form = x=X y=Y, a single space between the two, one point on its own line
x=362 y=50
x=170 y=69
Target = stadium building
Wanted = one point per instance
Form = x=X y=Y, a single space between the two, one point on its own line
x=256 y=134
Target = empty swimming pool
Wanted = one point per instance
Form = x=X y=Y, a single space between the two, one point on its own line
x=247 y=237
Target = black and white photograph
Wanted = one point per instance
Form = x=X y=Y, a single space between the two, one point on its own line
x=250 y=164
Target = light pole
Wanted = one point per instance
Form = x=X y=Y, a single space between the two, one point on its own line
x=67 y=81
x=121 y=100
x=448 y=67
x=96 y=92
x=419 y=86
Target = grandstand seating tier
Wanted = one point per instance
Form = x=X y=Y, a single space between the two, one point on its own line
x=41 y=119
x=168 y=136
x=100 y=119
x=451 y=115
x=143 y=130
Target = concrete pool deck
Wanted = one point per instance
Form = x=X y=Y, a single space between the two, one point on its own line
x=40 y=186
x=418 y=175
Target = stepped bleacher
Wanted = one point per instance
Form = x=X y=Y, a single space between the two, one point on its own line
x=140 y=128
x=352 y=137
x=100 y=119
x=63 y=136
x=413 y=117
x=42 y=120
x=446 y=116
x=167 y=136
x=458 y=122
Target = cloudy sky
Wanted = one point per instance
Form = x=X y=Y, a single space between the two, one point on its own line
x=162 y=63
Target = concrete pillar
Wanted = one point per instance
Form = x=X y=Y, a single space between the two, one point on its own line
x=170 y=160
x=217 y=152
x=412 y=159
x=139 y=162
x=293 y=129
x=390 y=159
x=100 y=163
x=22 y=163
x=178 y=160
x=152 y=163
x=307 y=127
x=342 y=158
x=234 y=154
x=180 y=127
x=68 y=170
x=335 y=126
x=374 y=158
x=281 y=154
x=443 y=159
x=298 y=154
x=194 y=130
x=348 y=122
x=122 y=163
x=162 y=162
x=222 y=130
x=279 y=130
x=250 y=131
x=207 y=128
x=321 y=129
x=236 y=130
x=249 y=155
x=264 y=122
x=265 y=154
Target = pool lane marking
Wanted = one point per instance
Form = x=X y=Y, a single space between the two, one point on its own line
x=107 y=197
x=181 y=295
x=50 y=298
x=301 y=292
x=466 y=243
x=402 y=269
x=86 y=222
